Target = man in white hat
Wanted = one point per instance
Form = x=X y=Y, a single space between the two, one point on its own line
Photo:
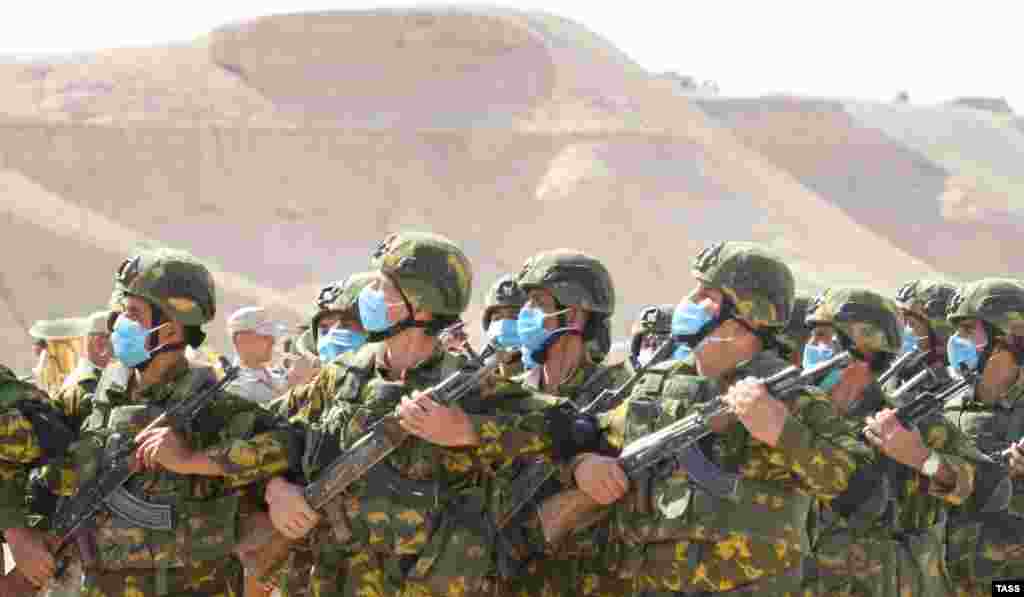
x=254 y=335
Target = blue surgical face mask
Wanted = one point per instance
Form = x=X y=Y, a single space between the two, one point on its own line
x=681 y=352
x=817 y=353
x=129 y=341
x=962 y=351
x=909 y=340
x=689 y=318
x=504 y=333
x=530 y=326
x=373 y=310
x=338 y=341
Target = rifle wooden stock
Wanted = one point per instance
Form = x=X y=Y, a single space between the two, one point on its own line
x=262 y=548
x=567 y=511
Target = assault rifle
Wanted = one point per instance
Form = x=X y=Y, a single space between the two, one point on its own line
x=571 y=509
x=263 y=546
x=537 y=473
x=106 y=490
x=907 y=361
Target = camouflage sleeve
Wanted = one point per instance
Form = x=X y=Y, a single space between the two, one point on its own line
x=252 y=443
x=307 y=403
x=76 y=404
x=504 y=437
x=958 y=453
x=19 y=447
x=823 y=449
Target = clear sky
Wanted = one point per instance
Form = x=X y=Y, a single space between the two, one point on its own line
x=870 y=49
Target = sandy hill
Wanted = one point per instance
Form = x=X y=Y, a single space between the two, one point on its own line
x=282 y=149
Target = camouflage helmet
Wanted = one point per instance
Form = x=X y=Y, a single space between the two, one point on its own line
x=867 y=318
x=573 y=277
x=997 y=301
x=432 y=271
x=504 y=293
x=653 y=319
x=759 y=284
x=929 y=300
x=340 y=297
x=173 y=280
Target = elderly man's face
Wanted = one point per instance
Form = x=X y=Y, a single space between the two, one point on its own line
x=254 y=350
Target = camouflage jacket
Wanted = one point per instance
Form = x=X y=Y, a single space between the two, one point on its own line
x=245 y=440
x=75 y=398
x=992 y=426
x=353 y=392
x=865 y=545
x=20 y=447
x=698 y=542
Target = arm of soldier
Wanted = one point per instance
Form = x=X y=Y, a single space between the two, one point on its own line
x=954 y=482
x=253 y=446
x=824 y=450
x=908 y=447
x=75 y=403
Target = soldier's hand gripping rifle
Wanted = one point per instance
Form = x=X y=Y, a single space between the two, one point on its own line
x=106 y=489
x=263 y=547
x=571 y=509
x=582 y=430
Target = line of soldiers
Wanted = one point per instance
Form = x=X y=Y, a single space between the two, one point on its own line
x=553 y=474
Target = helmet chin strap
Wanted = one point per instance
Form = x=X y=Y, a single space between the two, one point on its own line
x=159 y=322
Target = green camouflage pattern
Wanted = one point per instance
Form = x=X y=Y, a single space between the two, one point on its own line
x=902 y=553
x=671 y=537
x=929 y=300
x=205 y=579
x=503 y=293
x=561 y=573
x=869 y=319
x=19 y=448
x=340 y=297
x=431 y=270
x=173 y=280
x=1000 y=302
x=206 y=508
x=573 y=277
x=759 y=284
x=653 y=319
x=438 y=538
x=981 y=548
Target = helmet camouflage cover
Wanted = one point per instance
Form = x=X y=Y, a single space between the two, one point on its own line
x=867 y=318
x=929 y=300
x=998 y=301
x=656 y=319
x=759 y=284
x=504 y=293
x=431 y=270
x=173 y=280
x=340 y=297
x=573 y=277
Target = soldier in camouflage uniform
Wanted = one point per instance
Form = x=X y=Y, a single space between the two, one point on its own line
x=922 y=305
x=670 y=537
x=500 y=323
x=651 y=328
x=564 y=328
x=32 y=432
x=202 y=475
x=415 y=523
x=988 y=318
x=885 y=536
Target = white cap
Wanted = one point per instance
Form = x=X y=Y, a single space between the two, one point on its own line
x=96 y=323
x=255 y=319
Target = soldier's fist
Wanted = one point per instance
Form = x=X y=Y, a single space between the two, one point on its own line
x=601 y=478
x=762 y=414
x=289 y=512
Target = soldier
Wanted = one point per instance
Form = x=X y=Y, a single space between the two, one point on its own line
x=988 y=319
x=892 y=543
x=167 y=295
x=415 y=522
x=669 y=536
x=254 y=336
x=32 y=432
x=651 y=328
x=500 y=323
x=922 y=305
